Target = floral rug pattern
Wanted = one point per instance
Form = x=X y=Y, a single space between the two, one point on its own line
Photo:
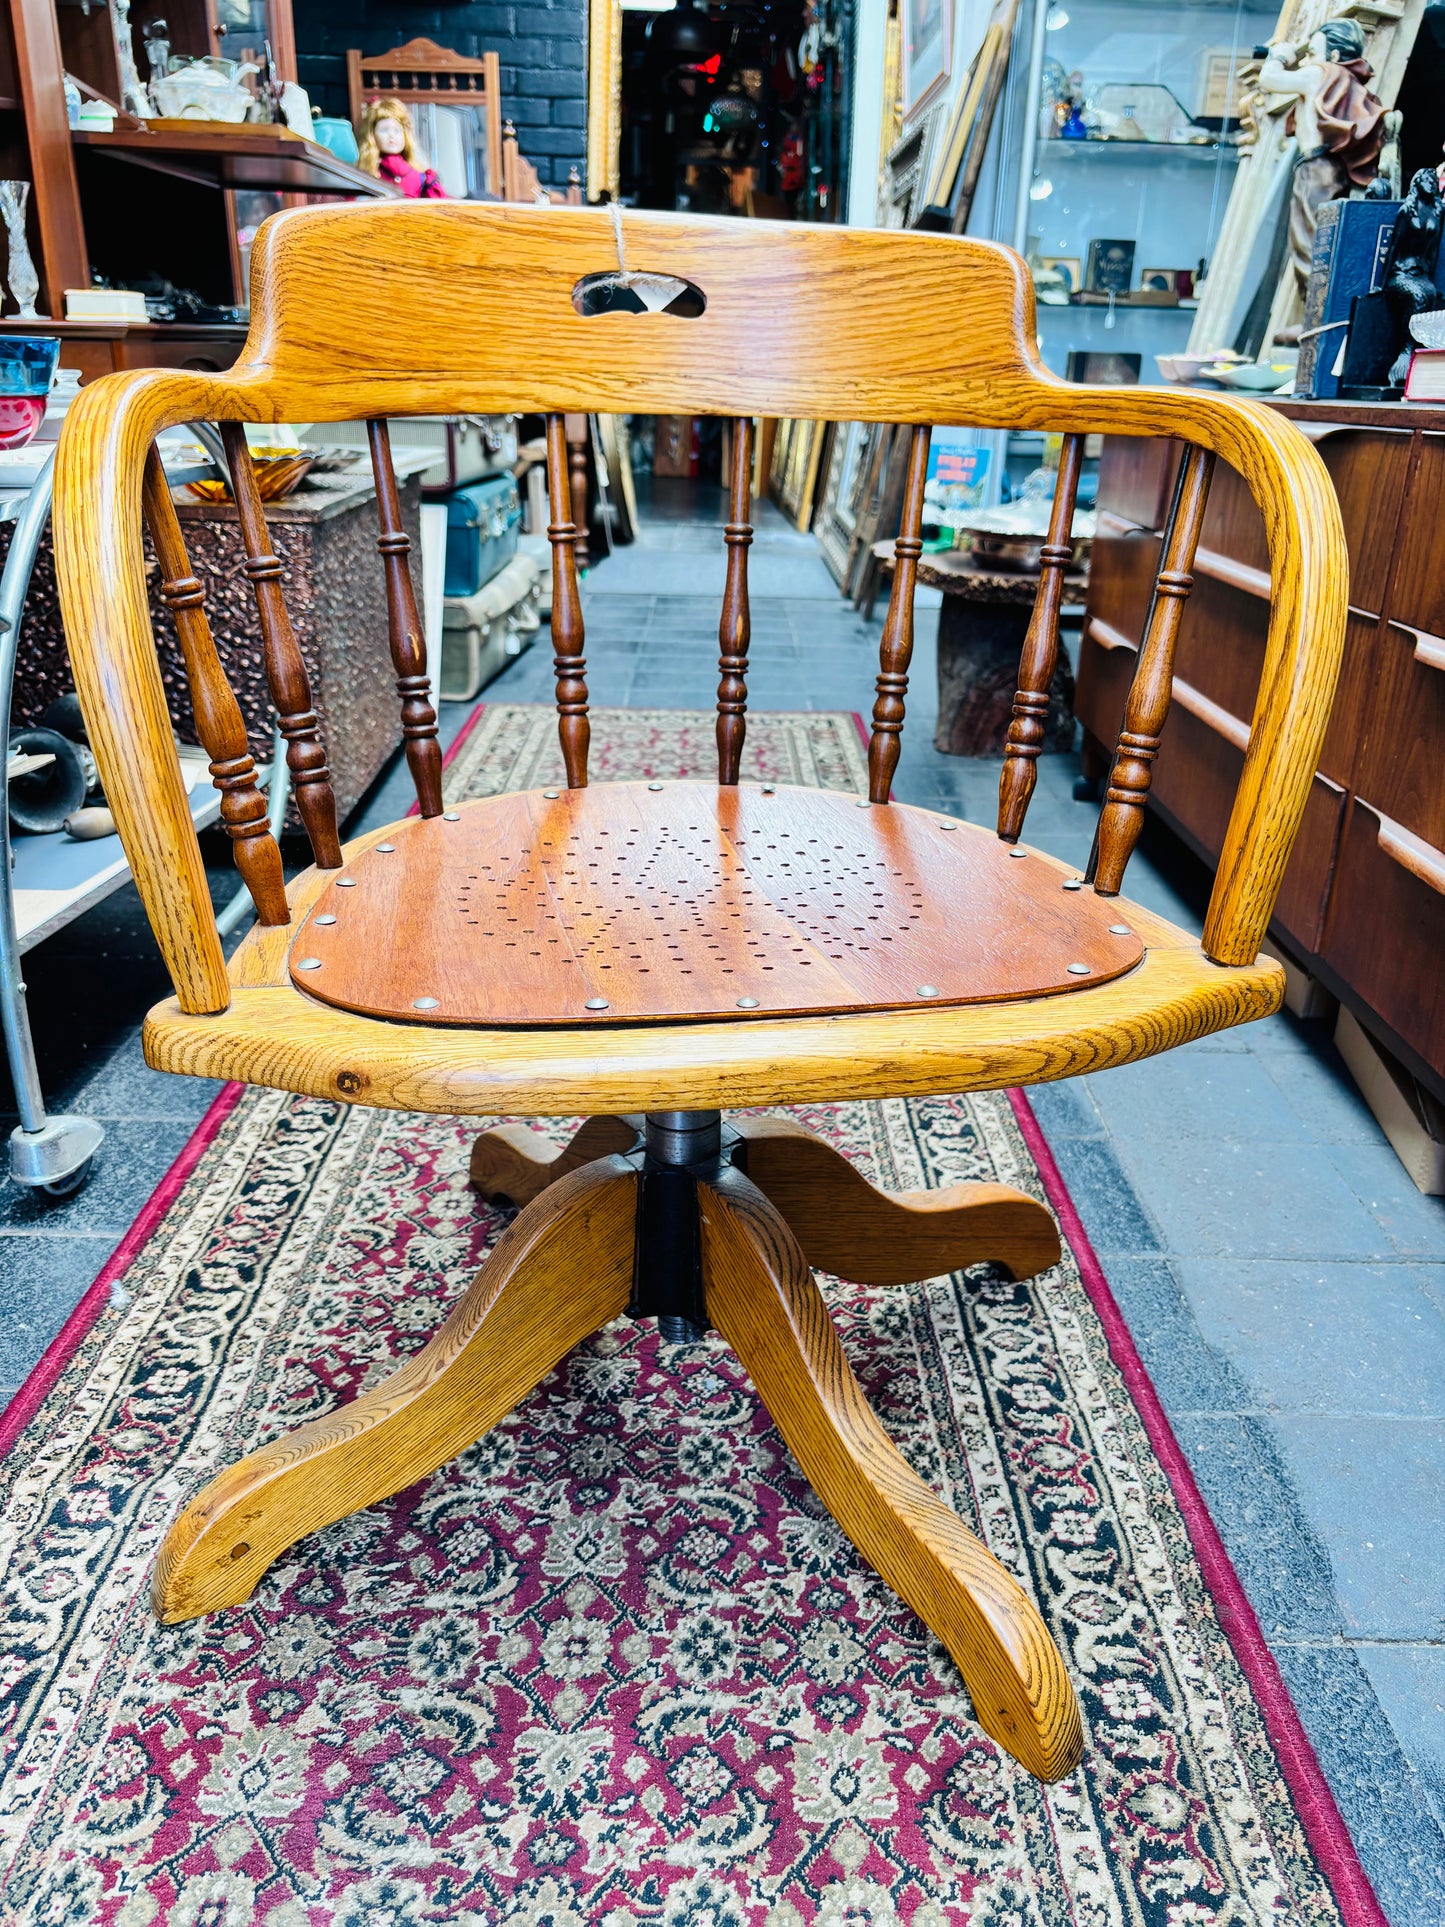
x=614 y=1664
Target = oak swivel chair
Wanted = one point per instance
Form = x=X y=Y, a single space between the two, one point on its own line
x=646 y=954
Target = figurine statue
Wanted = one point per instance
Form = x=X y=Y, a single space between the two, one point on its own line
x=24 y=281
x=1412 y=264
x=157 y=37
x=1338 y=123
x=133 y=96
x=387 y=148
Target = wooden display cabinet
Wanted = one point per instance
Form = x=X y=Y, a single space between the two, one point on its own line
x=1363 y=902
x=145 y=199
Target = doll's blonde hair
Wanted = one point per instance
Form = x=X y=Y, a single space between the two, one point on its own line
x=368 y=157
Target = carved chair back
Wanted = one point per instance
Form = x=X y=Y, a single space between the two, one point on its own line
x=498 y=310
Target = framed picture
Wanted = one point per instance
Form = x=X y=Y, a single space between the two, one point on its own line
x=906 y=169
x=1165 y=281
x=1110 y=267
x=837 y=516
x=1064 y=270
x=1221 y=84
x=927 y=50
x=797 y=453
x=1110 y=369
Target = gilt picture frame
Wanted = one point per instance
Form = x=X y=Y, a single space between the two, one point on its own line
x=927 y=51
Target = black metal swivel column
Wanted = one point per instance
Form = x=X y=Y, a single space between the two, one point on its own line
x=678 y=1148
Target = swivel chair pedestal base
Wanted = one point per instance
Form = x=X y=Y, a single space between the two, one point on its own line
x=681 y=1218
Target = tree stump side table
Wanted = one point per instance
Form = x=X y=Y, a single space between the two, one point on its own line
x=981 y=629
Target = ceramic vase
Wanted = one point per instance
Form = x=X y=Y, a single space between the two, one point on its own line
x=24 y=281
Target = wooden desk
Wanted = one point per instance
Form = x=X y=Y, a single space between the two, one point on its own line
x=1363 y=903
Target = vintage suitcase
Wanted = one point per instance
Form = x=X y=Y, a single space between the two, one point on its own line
x=482 y=633
x=483 y=523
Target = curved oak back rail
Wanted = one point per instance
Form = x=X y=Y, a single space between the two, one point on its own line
x=802 y=322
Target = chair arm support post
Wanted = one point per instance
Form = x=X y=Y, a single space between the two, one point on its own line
x=100 y=570
x=219 y=723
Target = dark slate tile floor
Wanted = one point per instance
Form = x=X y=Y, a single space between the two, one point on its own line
x=1284 y=1281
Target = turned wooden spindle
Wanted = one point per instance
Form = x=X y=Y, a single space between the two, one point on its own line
x=895 y=647
x=1147 y=704
x=1040 y=654
x=577 y=464
x=219 y=722
x=567 y=632
x=408 y=640
x=734 y=627
x=285 y=671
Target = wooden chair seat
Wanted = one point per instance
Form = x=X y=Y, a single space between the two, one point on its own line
x=649 y=902
x=275 y=1034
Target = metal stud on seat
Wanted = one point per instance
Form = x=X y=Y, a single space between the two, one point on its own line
x=328 y=918
x=1078 y=970
x=425 y=1003
x=598 y=1003
x=308 y=963
x=747 y=1003
x=346 y=883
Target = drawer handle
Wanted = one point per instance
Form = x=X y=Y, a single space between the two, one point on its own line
x=1108 y=637
x=1211 y=714
x=1185 y=694
x=1429 y=650
x=1239 y=575
x=1411 y=852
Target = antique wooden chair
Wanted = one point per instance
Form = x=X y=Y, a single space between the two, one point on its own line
x=646 y=954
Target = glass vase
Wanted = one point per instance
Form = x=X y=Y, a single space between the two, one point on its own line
x=24 y=281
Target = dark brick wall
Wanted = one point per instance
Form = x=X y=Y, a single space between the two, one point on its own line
x=541 y=45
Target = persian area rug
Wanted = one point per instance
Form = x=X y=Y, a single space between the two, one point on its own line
x=615 y=1664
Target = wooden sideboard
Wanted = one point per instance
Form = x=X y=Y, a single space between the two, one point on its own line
x=1363 y=902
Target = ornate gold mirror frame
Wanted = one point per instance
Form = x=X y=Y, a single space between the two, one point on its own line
x=604 y=98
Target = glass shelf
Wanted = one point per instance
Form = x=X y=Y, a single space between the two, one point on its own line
x=1185 y=150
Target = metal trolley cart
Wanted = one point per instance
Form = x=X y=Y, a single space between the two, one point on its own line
x=47 y=880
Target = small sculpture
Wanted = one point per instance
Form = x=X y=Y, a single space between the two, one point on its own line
x=24 y=281
x=133 y=96
x=1412 y=264
x=387 y=148
x=1337 y=121
x=157 y=37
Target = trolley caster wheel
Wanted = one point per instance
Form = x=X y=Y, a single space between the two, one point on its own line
x=67 y=1186
x=1086 y=789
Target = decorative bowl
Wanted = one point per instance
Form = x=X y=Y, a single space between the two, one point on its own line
x=1253 y=377
x=278 y=471
x=1190 y=367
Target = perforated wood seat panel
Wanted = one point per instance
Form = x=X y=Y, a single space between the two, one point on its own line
x=639 y=903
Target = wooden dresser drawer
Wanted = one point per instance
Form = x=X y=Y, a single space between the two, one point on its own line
x=1386 y=935
x=1402 y=768
x=1418 y=594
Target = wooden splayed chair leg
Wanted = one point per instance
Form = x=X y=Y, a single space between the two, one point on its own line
x=578 y=1255
x=844 y=1224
